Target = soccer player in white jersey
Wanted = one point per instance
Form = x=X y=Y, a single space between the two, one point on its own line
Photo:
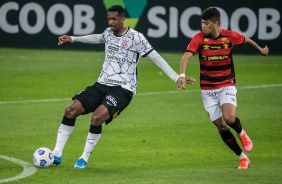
x=116 y=84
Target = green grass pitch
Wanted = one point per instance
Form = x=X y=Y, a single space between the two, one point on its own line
x=164 y=136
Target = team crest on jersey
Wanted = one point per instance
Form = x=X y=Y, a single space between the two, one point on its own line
x=124 y=43
x=224 y=39
x=206 y=39
x=225 y=46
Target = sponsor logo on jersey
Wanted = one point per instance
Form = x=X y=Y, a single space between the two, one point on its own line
x=206 y=47
x=213 y=58
x=115 y=81
x=215 y=47
x=224 y=46
x=111 y=48
x=114 y=58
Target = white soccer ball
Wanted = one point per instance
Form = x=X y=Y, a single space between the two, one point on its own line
x=43 y=157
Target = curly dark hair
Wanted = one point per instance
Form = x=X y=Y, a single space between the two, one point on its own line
x=117 y=8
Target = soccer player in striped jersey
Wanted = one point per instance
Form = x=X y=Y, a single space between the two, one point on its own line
x=116 y=83
x=217 y=78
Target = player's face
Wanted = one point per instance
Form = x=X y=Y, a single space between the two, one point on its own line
x=209 y=27
x=115 y=22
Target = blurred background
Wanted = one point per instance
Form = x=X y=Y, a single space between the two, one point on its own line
x=168 y=25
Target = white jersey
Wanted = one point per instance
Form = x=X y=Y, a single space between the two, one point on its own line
x=122 y=54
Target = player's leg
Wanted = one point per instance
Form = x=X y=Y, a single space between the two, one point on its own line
x=223 y=129
x=113 y=103
x=212 y=101
x=84 y=102
x=100 y=115
x=231 y=142
x=227 y=136
x=229 y=104
x=66 y=128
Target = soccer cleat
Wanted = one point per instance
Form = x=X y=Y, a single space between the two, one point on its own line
x=57 y=160
x=246 y=142
x=80 y=163
x=244 y=163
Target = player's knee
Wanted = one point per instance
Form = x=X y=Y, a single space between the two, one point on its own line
x=70 y=112
x=222 y=128
x=220 y=124
x=229 y=119
x=97 y=120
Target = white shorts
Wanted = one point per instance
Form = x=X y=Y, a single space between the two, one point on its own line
x=213 y=100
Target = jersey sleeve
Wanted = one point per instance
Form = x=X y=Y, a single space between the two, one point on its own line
x=236 y=38
x=142 y=45
x=194 y=44
x=92 y=39
x=105 y=33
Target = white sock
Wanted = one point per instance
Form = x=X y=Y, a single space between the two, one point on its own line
x=91 y=141
x=241 y=133
x=63 y=134
x=242 y=155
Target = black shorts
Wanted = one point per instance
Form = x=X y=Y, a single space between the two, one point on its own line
x=115 y=98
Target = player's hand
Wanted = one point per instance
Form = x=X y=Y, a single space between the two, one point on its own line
x=181 y=83
x=190 y=80
x=184 y=80
x=63 y=39
x=264 y=51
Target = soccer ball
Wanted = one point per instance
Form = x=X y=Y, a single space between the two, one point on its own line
x=43 y=157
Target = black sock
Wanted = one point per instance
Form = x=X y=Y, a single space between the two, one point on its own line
x=68 y=121
x=231 y=142
x=95 y=129
x=237 y=125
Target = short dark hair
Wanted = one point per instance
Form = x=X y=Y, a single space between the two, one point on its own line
x=212 y=14
x=117 y=8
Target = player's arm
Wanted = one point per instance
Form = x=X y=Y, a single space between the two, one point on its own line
x=183 y=65
x=263 y=51
x=160 y=62
x=93 y=39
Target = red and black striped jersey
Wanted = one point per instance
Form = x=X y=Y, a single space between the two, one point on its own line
x=215 y=55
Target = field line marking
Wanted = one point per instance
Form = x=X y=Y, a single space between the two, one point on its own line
x=34 y=101
x=141 y=94
x=28 y=169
